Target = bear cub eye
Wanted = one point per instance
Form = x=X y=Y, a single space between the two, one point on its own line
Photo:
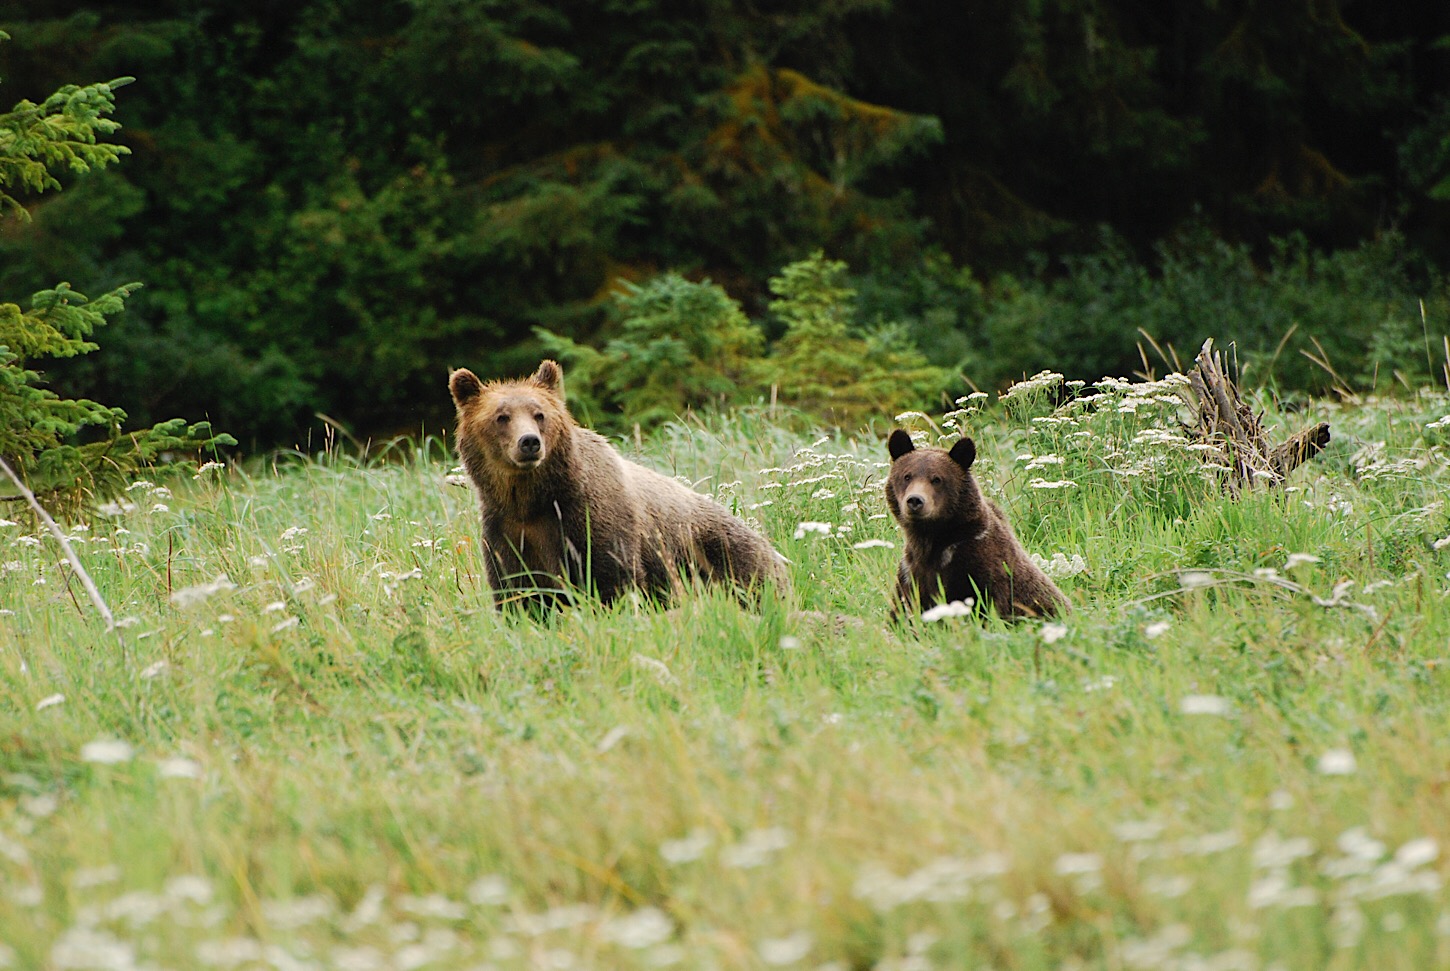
x=906 y=477
x=936 y=480
x=503 y=419
x=539 y=417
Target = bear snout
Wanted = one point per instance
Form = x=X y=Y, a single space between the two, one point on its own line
x=528 y=450
x=918 y=505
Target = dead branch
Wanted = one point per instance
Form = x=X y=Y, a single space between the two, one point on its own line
x=1228 y=423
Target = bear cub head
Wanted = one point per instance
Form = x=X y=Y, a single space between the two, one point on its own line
x=516 y=425
x=929 y=485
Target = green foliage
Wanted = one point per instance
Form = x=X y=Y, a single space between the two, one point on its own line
x=38 y=428
x=823 y=366
x=1358 y=311
x=58 y=134
x=681 y=346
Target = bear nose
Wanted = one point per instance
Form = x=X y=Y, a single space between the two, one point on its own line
x=530 y=444
x=914 y=503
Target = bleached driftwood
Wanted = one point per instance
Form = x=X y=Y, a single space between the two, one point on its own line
x=1225 y=421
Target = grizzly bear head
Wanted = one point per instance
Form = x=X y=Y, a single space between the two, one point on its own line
x=931 y=484
x=514 y=424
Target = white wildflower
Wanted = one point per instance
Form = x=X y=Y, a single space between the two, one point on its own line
x=1417 y=853
x=434 y=906
x=1052 y=484
x=756 y=848
x=1157 y=629
x=489 y=891
x=178 y=767
x=643 y=928
x=1337 y=761
x=809 y=526
x=1052 y=633
x=107 y=751
x=1138 y=831
x=874 y=544
x=1203 y=705
x=285 y=624
x=1061 y=565
x=190 y=596
x=685 y=849
x=955 y=608
x=1193 y=579
x=1073 y=863
x=49 y=701
x=1300 y=559
x=785 y=950
x=1272 y=851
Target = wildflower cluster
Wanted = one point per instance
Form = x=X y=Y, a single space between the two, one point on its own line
x=829 y=496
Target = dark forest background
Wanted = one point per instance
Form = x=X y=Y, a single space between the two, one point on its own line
x=330 y=202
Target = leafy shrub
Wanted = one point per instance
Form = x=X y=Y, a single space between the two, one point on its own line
x=682 y=346
x=1355 y=311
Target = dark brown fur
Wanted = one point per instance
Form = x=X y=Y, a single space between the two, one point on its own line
x=563 y=511
x=959 y=545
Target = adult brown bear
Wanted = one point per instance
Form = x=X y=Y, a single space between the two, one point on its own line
x=563 y=512
x=959 y=545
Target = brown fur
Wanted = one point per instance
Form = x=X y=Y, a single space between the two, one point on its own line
x=563 y=511
x=959 y=545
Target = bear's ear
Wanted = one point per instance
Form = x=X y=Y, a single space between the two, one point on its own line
x=964 y=453
x=550 y=377
x=899 y=444
x=464 y=386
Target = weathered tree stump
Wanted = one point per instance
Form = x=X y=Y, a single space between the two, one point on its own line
x=1227 y=423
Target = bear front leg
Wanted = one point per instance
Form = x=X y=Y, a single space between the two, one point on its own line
x=904 y=598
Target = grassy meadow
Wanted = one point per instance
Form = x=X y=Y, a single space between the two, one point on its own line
x=311 y=742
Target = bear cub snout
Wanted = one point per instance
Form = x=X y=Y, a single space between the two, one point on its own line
x=959 y=545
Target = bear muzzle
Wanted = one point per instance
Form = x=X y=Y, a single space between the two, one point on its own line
x=916 y=505
x=528 y=451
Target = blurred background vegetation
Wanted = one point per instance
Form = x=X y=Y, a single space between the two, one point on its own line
x=330 y=202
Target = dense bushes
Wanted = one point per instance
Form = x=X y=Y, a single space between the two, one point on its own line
x=682 y=345
x=1358 y=311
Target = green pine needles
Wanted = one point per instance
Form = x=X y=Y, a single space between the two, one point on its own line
x=40 y=432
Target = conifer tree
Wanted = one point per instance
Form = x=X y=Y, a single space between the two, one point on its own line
x=39 y=430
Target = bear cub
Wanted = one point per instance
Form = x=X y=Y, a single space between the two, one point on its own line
x=959 y=545
x=563 y=511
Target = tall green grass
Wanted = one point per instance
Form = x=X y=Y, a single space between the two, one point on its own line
x=312 y=743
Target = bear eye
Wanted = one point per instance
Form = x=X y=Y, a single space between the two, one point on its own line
x=539 y=418
x=936 y=480
x=503 y=419
x=906 y=477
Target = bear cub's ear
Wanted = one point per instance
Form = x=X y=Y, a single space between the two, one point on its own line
x=550 y=377
x=899 y=444
x=964 y=453
x=464 y=385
